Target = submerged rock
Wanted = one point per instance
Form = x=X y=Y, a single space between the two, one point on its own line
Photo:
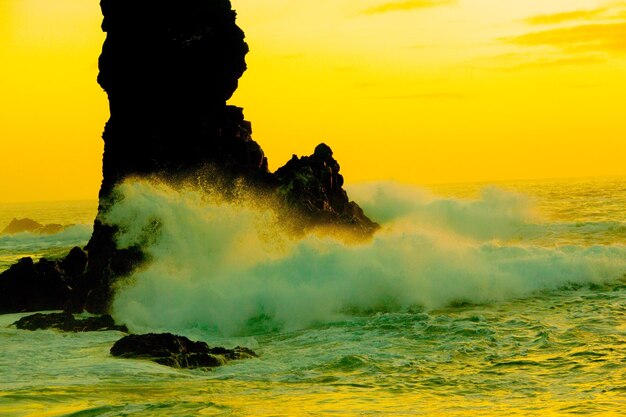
x=176 y=351
x=68 y=323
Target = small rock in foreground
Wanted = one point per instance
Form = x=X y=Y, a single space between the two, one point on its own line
x=176 y=351
x=67 y=323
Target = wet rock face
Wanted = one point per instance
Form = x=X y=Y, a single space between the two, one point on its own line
x=73 y=265
x=313 y=185
x=44 y=285
x=168 y=67
x=68 y=323
x=176 y=351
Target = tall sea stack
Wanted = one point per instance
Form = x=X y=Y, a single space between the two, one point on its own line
x=168 y=67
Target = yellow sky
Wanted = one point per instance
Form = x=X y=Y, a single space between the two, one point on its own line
x=421 y=91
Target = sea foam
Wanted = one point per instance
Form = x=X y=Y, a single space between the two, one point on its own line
x=74 y=235
x=231 y=269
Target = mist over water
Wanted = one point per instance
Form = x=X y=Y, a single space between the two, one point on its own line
x=230 y=269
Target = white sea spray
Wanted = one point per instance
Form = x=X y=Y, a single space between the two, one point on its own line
x=230 y=268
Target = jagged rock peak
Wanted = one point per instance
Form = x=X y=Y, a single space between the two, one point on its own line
x=314 y=185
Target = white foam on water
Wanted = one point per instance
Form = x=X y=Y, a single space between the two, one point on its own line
x=225 y=267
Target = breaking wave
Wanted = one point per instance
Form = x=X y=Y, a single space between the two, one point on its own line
x=231 y=269
x=74 y=235
x=13 y=247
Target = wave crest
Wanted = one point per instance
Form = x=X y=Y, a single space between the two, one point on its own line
x=230 y=269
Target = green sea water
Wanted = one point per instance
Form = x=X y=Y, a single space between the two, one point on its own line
x=77 y=215
x=471 y=300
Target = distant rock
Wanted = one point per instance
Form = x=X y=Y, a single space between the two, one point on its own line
x=31 y=226
x=176 y=351
x=21 y=226
x=51 y=229
x=68 y=323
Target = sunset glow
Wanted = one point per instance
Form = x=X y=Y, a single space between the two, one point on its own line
x=416 y=91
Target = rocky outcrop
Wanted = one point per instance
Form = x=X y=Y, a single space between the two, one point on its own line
x=168 y=68
x=68 y=323
x=20 y=226
x=73 y=265
x=176 y=351
x=313 y=186
x=165 y=348
x=31 y=226
x=44 y=285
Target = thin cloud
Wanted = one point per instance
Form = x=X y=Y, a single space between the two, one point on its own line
x=400 y=6
x=568 y=38
x=559 y=62
x=601 y=37
x=551 y=19
x=609 y=12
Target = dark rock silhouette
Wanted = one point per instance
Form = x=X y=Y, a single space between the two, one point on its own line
x=168 y=68
x=176 y=351
x=29 y=286
x=44 y=285
x=73 y=265
x=313 y=185
x=29 y=225
x=68 y=323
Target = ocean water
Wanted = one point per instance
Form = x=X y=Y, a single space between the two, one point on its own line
x=77 y=215
x=472 y=299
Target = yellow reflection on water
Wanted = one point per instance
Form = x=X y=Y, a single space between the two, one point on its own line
x=228 y=398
